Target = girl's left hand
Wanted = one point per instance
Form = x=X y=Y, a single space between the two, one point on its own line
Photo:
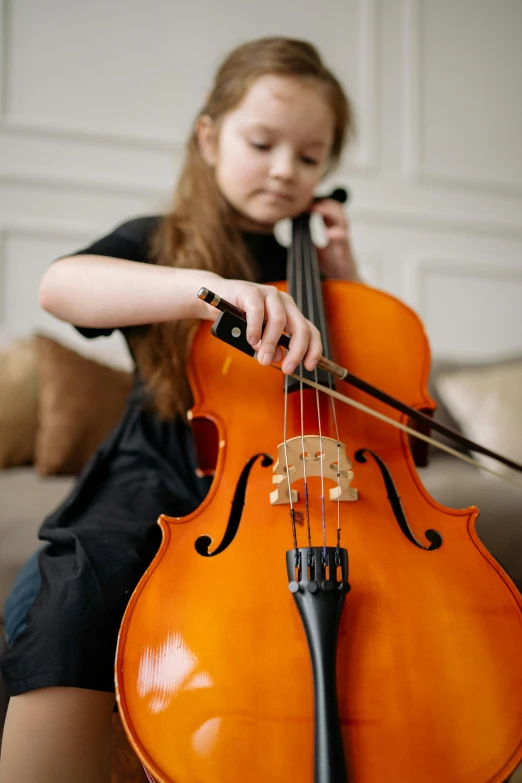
x=336 y=259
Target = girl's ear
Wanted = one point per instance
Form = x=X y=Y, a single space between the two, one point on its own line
x=206 y=134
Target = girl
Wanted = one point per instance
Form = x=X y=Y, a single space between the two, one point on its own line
x=274 y=123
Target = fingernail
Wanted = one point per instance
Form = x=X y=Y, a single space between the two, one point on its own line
x=288 y=367
x=264 y=358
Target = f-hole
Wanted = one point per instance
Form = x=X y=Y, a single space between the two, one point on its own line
x=203 y=542
x=433 y=536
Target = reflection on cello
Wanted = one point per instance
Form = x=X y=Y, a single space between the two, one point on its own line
x=411 y=654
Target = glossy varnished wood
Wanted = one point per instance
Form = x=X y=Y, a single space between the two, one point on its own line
x=213 y=672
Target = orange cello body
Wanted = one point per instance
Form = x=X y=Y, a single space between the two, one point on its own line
x=213 y=673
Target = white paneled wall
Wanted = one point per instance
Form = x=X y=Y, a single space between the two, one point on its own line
x=97 y=99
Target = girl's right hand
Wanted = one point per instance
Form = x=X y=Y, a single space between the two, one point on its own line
x=264 y=303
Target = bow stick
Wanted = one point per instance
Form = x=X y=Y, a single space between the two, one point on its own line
x=236 y=320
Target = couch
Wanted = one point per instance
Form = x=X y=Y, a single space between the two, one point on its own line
x=56 y=406
x=62 y=438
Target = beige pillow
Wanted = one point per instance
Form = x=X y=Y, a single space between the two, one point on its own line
x=18 y=403
x=442 y=414
x=487 y=402
x=80 y=402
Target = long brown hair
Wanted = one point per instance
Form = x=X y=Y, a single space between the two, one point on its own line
x=201 y=230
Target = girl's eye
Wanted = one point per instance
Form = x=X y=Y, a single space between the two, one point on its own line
x=264 y=147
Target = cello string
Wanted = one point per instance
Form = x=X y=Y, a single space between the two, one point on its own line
x=342 y=373
x=308 y=267
x=321 y=465
x=291 y=266
x=322 y=319
x=292 y=511
x=298 y=254
x=404 y=427
x=334 y=415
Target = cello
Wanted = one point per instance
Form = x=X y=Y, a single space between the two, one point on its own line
x=320 y=617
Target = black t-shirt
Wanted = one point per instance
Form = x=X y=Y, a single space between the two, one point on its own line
x=132 y=242
x=144 y=447
x=104 y=535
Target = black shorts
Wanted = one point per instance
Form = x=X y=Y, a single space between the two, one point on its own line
x=72 y=627
x=100 y=542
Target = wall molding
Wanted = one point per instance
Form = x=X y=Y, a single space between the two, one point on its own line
x=416 y=270
x=365 y=160
x=111 y=351
x=27 y=126
x=34 y=126
x=35 y=230
x=4 y=55
x=417 y=219
x=414 y=168
x=404 y=217
x=78 y=185
x=373 y=262
x=3 y=288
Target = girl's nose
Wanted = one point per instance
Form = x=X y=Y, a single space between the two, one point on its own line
x=283 y=166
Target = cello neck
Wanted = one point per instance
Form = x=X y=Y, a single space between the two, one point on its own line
x=304 y=286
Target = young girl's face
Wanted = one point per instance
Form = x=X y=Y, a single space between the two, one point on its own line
x=272 y=149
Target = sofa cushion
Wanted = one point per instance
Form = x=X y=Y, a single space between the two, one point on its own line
x=18 y=403
x=80 y=402
x=485 y=400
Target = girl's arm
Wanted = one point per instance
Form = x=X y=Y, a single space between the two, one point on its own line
x=97 y=291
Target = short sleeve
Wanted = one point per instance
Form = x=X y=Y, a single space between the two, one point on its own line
x=131 y=241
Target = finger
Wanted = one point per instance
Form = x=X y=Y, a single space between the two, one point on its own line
x=331 y=211
x=337 y=234
x=328 y=207
x=278 y=355
x=307 y=350
x=253 y=305
x=300 y=331
x=276 y=319
x=315 y=348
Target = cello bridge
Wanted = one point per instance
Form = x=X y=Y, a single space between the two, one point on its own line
x=312 y=455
